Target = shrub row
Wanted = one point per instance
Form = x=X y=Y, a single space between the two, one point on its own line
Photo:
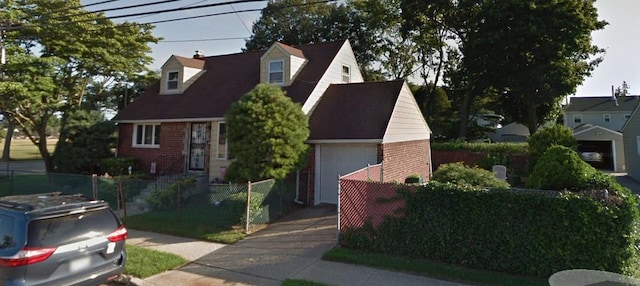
x=507 y=231
x=491 y=148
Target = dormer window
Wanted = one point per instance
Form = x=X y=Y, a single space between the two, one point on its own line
x=172 y=80
x=346 y=74
x=276 y=72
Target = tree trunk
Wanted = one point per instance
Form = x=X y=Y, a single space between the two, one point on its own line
x=532 y=117
x=6 y=152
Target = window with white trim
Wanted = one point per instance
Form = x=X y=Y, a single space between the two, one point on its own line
x=607 y=118
x=627 y=116
x=172 y=80
x=577 y=118
x=222 y=141
x=276 y=72
x=346 y=74
x=146 y=135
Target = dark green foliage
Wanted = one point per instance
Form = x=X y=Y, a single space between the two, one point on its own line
x=237 y=205
x=168 y=199
x=507 y=231
x=267 y=133
x=88 y=138
x=500 y=148
x=459 y=174
x=546 y=137
x=560 y=168
x=118 y=166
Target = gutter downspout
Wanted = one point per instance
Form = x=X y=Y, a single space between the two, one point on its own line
x=297 y=199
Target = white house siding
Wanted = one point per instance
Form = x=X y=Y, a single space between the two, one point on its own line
x=333 y=75
x=631 y=146
x=406 y=122
x=601 y=134
x=296 y=66
x=597 y=118
x=190 y=76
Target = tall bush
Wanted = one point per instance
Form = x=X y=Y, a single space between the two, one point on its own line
x=459 y=174
x=560 y=168
x=548 y=136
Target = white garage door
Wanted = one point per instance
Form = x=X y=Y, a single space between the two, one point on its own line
x=340 y=159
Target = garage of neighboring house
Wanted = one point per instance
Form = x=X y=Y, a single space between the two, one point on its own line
x=602 y=148
x=333 y=160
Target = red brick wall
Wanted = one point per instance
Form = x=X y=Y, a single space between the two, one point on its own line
x=169 y=158
x=402 y=159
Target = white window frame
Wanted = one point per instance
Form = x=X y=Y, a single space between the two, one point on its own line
x=270 y=72
x=226 y=143
x=346 y=73
x=176 y=80
x=155 y=142
x=577 y=118
x=606 y=118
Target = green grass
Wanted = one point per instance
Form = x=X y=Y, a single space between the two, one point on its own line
x=216 y=224
x=142 y=262
x=24 y=149
x=432 y=269
x=296 y=282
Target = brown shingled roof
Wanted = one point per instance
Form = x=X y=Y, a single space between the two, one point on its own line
x=226 y=79
x=355 y=111
x=190 y=62
x=291 y=50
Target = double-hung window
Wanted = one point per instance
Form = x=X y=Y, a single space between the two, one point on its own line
x=147 y=135
x=276 y=72
x=577 y=118
x=607 y=118
x=172 y=80
x=222 y=141
x=346 y=74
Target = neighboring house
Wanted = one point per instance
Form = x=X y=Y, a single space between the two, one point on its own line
x=597 y=125
x=631 y=132
x=177 y=125
x=512 y=132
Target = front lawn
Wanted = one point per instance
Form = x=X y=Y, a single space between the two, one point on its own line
x=205 y=222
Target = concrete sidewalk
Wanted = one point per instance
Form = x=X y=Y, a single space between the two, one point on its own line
x=291 y=248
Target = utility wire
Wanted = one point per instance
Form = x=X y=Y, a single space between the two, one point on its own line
x=202 y=40
x=118 y=8
x=203 y=16
x=184 y=8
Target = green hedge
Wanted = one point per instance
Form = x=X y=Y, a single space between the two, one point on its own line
x=492 y=148
x=521 y=233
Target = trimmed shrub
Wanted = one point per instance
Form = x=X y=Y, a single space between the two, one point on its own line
x=509 y=231
x=118 y=166
x=167 y=199
x=459 y=174
x=546 y=137
x=560 y=168
x=498 y=148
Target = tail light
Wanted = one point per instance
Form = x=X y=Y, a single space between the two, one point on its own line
x=118 y=235
x=27 y=255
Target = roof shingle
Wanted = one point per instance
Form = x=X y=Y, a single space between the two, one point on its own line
x=602 y=103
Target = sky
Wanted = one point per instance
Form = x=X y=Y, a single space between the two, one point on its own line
x=224 y=34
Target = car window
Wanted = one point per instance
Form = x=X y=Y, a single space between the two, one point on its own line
x=7 y=229
x=71 y=228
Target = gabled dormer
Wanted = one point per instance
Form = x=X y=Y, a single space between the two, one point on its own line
x=280 y=64
x=178 y=73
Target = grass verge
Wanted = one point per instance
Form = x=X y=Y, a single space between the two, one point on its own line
x=432 y=269
x=24 y=149
x=142 y=262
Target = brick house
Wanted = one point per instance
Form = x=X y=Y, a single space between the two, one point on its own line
x=177 y=126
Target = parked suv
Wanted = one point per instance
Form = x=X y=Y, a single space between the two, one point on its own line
x=59 y=239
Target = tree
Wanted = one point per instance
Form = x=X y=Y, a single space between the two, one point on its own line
x=532 y=53
x=372 y=27
x=267 y=133
x=56 y=50
x=622 y=90
x=88 y=139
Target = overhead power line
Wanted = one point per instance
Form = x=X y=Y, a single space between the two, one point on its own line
x=184 y=8
x=118 y=8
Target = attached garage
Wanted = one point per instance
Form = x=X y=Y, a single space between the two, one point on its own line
x=333 y=160
x=600 y=147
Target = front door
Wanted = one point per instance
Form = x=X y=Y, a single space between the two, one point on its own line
x=198 y=148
